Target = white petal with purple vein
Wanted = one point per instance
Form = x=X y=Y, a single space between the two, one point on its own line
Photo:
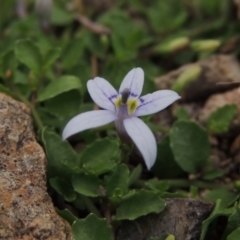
x=143 y=138
x=88 y=120
x=134 y=82
x=102 y=93
x=155 y=102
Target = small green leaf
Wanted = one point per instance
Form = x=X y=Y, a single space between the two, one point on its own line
x=58 y=152
x=158 y=186
x=60 y=16
x=64 y=188
x=64 y=106
x=234 y=219
x=118 y=181
x=91 y=228
x=139 y=204
x=182 y=114
x=67 y=215
x=172 y=45
x=205 y=45
x=234 y=235
x=226 y=196
x=190 y=145
x=135 y=174
x=57 y=87
x=186 y=77
x=87 y=184
x=101 y=156
x=50 y=57
x=213 y=173
x=7 y=62
x=29 y=54
x=219 y=120
x=217 y=212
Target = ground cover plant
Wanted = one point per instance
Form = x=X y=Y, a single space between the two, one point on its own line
x=48 y=52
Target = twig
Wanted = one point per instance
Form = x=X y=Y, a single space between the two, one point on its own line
x=92 y=26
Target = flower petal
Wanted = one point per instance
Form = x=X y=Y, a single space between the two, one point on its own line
x=134 y=82
x=102 y=93
x=88 y=120
x=144 y=139
x=155 y=102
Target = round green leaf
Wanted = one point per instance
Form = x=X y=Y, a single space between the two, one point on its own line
x=67 y=215
x=29 y=54
x=139 y=204
x=101 y=156
x=50 y=57
x=219 y=120
x=87 y=184
x=91 y=228
x=190 y=145
x=64 y=188
x=59 y=154
x=63 y=84
x=118 y=181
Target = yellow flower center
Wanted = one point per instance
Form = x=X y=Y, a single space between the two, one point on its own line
x=132 y=105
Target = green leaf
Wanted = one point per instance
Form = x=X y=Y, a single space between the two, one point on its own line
x=213 y=173
x=234 y=219
x=57 y=87
x=186 y=77
x=50 y=57
x=182 y=114
x=7 y=63
x=59 y=154
x=64 y=188
x=234 y=235
x=91 y=228
x=72 y=53
x=140 y=204
x=64 y=106
x=29 y=54
x=217 y=212
x=158 y=186
x=101 y=156
x=190 y=145
x=61 y=16
x=117 y=183
x=165 y=165
x=135 y=174
x=67 y=215
x=166 y=15
x=87 y=184
x=226 y=196
x=219 y=120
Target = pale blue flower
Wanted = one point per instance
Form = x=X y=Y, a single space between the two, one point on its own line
x=124 y=108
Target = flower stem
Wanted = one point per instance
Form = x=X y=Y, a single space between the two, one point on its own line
x=90 y=206
x=185 y=183
x=35 y=114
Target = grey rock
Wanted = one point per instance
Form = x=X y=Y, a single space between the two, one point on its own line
x=181 y=218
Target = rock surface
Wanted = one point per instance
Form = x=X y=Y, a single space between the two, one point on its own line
x=215 y=69
x=181 y=217
x=26 y=210
x=219 y=100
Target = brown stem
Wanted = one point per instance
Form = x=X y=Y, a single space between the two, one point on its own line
x=92 y=26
